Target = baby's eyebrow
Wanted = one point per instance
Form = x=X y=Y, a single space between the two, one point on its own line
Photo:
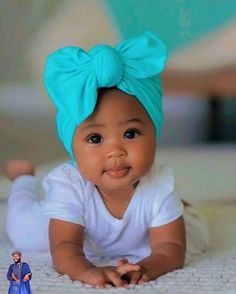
x=92 y=126
x=136 y=120
x=97 y=125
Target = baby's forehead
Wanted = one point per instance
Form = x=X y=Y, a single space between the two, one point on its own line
x=116 y=108
x=113 y=92
x=114 y=99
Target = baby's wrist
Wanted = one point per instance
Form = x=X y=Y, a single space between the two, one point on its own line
x=148 y=270
x=85 y=274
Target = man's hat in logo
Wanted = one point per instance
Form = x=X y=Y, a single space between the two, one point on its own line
x=16 y=252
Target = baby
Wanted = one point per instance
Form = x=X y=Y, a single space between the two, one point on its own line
x=112 y=200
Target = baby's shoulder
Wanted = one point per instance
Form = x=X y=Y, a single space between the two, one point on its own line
x=158 y=183
x=160 y=175
x=67 y=173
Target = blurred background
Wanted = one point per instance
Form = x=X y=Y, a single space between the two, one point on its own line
x=199 y=82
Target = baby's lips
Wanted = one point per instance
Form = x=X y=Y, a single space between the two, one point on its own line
x=117 y=173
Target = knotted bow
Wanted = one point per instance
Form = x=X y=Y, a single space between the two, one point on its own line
x=72 y=77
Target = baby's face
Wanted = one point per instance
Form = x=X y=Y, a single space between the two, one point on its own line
x=116 y=145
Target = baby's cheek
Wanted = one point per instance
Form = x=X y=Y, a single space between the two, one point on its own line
x=146 y=161
x=90 y=168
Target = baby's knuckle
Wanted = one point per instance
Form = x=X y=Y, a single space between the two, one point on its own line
x=100 y=278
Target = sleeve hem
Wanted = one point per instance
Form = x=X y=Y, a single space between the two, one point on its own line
x=66 y=219
x=166 y=220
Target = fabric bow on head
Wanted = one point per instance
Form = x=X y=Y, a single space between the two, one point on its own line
x=72 y=77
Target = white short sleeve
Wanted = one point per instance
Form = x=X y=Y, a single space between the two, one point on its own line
x=170 y=210
x=64 y=198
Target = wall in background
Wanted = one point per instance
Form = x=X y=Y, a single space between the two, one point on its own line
x=177 y=22
x=19 y=23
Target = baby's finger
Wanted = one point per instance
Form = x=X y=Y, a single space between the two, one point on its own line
x=114 y=278
x=101 y=281
x=135 y=277
x=143 y=279
x=126 y=268
x=122 y=261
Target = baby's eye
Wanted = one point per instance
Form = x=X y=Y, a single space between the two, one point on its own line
x=131 y=134
x=94 y=139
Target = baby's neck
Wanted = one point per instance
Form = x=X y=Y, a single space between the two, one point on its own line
x=117 y=201
x=117 y=195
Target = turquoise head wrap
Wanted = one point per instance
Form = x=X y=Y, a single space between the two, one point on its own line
x=72 y=77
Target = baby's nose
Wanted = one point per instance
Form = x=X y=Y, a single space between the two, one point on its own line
x=116 y=152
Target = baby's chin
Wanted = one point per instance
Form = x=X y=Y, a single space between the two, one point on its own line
x=118 y=185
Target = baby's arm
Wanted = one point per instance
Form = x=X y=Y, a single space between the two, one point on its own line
x=168 y=247
x=66 y=245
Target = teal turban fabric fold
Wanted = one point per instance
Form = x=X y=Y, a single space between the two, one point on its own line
x=72 y=77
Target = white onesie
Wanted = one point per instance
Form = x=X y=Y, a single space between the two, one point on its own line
x=70 y=197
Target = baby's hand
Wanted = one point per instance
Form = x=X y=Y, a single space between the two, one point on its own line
x=124 y=267
x=100 y=276
x=134 y=273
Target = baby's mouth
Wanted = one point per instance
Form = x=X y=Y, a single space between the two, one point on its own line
x=117 y=173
